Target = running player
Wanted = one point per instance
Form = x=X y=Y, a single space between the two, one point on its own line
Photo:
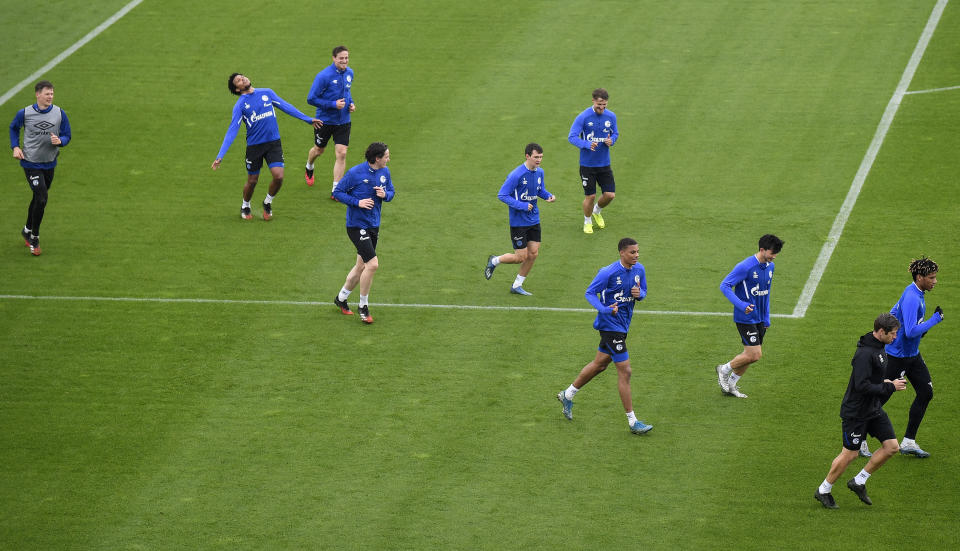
x=331 y=95
x=594 y=132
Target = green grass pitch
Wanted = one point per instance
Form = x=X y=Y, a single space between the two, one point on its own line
x=232 y=407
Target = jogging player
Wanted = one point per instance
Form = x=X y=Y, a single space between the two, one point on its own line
x=747 y=287
x=594 y=132
x=613 y=292
x=363 y=189
x=861 y=411
x=330 y=94
x=45 y=130
x=520 y=192
x=255 y=110
x=904 y=352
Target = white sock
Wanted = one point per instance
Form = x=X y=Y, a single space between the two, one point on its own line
x=825 y=487
x=908 y=443
x=246 y=205
x=344 y=294
x=631 y=418
x=862 y=477
x=519 y=281
x=495 y=261
x=364 y=300
x=733 y=378
x=309 y=166
x=725 y=369
x=570 y=392
x=597 y=209
x=269 y=199
x=586 y=220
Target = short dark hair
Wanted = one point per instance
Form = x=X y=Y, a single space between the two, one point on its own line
x=338 y=49
x=601 y=93
x=375 y=151
x=531 y=147
x=886 y=321
x=923 y=266
x=43 y=84
x=770 y=242
x=232 y=86
x=626 y=242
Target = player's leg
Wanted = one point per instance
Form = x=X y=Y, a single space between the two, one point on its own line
x=852 y=430
x=608 y=191
x=533 y=250
x=38 y=187
x=340 y=164
x=589 y=371
x=840 y=464
x=624 y=373
x=740 y=362
x=588 y=181
x=320 y=137
x=249 y=186
x=919 y=376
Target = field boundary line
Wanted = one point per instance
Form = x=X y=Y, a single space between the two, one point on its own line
x=932 y=90
x=377 y=304
x=820 y=266
x=68 y=52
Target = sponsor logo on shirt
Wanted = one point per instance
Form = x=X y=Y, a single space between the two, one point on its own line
x=265 y=115
x=755 y=291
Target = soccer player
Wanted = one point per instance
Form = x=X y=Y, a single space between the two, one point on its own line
x=904 y=352
x=594 y=132
x=330 y=94
x=520 y=192
x=45 y=130
x=363 y=189
x=613 y=292
x=861 y=411
x=747 y=287
x=254 y=109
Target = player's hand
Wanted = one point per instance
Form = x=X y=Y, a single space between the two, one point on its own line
x=365 y=203
x=529 y=207
x=748 y=309
x=353 y=108
x=635 y=291
x=551 y=199
x=55 y=140
x=317 y=123
x=381 y=191
x=17 y=153
x=898 y=384
x=593 y=146
x=341 y=102
x=939 y=311
x=614 y=308
x=216 y=164
x=608 y=141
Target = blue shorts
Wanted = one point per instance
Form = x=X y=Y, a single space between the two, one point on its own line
x=614 y=344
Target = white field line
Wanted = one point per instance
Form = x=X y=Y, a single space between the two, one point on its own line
x=820 y=266
x=66 y=53
x=933 y=90
x=327 y=303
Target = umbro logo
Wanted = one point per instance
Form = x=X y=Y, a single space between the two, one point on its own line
x=43 y=125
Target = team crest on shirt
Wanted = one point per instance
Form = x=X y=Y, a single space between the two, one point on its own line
x=383 y=179
x=349 y=78
x=265 y=98
x=606 y=124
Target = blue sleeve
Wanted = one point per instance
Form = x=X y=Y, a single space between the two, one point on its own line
x=506 y=194
x=342 y=191
x=15 y=127
x=738 y=274
x=596 y=286
x=913 y=327
x=388 y=188
x=231 y=131
x=544 y=194
x=290 y=109
x=316 y=93
x=766 y=305
x=643 y=285
x=616 y=133
x=574 y=137
x=65 y=134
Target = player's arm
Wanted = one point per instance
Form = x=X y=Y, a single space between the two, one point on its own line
x=614 y=133
x=315 y=97
x=862 y=369
x=231 y=135
x=290 y=109
x=574 y=136
x=15 y=127
x=642 y=285
x=735 y=277
x=506 y=195
x=388 y=191
x=592 y=294
x=546 y=195
x=65 y=133
x=913 y=326
x=343 y=189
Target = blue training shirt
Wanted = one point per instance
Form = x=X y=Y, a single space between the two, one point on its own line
x=328 y=86
x=909 y=311
x=521 y=188
x=357 y=184
x=612 y=285
x=255 y=111
x=589 y=127
x=749 y=283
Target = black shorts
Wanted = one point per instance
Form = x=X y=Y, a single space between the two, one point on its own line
x=365 y=240
x=272 y=152
x=38 y=176
x=614 y=344
x=521 y=235
x=751 y=333
x=913 y=368
x=856 y=430
x=592 y=176
x=340 y=133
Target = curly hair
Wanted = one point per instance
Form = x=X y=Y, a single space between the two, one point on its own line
x=922 y=267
